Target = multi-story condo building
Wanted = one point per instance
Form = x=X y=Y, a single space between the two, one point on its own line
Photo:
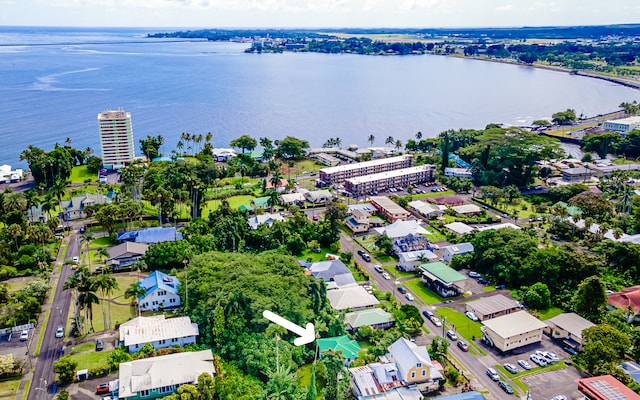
x=116 y=138
x=340 y=173
x=391 y=179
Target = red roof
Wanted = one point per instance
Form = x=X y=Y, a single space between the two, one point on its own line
x=605 y=387
x=283 y=183
x=448 y=200
x=626 y=297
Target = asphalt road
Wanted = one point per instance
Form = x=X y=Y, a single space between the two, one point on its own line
x=43 y=375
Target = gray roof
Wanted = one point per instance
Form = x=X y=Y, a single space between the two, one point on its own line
x=151 y=329
x=78 y=203
x=460 y=248
x=127 y=247
x=492 y=304
x=155 y=372
x=345 y=279
x=407 y=354
x=571 y=322
x=327 y=270
x=350 y=297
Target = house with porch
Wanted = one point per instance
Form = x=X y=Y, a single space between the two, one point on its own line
x=161 y=292
x=445 y=281
x=159 y=331
x=568 y=328
x=76 y=207
x=125 y=254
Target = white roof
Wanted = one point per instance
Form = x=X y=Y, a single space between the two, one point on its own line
x=459 y=248
x=514 y=324
x=628 y=120
x=459 y=227
x=267 y=218
x=466 y=209
x=411 y=256
x=424 y=207
x=390 y=174
x=400 y=229
x=155 y=372
x=351 y=297
x=150 y=329
x=499 y=226
x=365 y=164
x=291 y=197
x=492 y=304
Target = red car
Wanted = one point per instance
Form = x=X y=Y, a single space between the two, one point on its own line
x=463 y=346
x=102 y=388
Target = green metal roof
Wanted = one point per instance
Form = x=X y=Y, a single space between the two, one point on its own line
x=368 y=317
x=349 y=348
x=261 y=201
x=573 y=210
x=443 y=272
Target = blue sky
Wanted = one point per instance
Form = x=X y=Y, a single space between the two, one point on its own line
x=317 y=13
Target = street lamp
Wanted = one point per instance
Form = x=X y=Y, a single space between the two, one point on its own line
x=444 y=323
x=160 y=208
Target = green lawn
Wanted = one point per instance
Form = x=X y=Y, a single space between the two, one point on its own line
x=304 y=379
x=234 y=203
x=80 y=173
x=8 y=389
x=102 y=241
x=90 y=358
x=460 y=323
x=25 y=389
x=550 y=313
x=16 y=285
x=419 y=289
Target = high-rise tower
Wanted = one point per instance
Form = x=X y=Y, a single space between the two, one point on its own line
x=116 y=138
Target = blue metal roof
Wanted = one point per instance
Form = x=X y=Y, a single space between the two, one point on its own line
x=463 y=396
x=151 y=235
x=159 y=280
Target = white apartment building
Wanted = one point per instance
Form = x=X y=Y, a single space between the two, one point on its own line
x=382 y=181
x=340 y=173
x=116 y=138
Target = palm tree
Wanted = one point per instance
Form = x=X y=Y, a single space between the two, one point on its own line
x=390 y=141
x=276 y=179
x=58 y=189
x=274 y=198
x=85 y=239
x=14 y=202
x=106 y=283
x=418 y=136
x=371 y=139
x=135 y=292
x=15 y=230
x=103 y=253
x=398 y=144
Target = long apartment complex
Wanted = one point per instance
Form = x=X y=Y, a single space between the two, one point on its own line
x=116 y=138
x=340 y=173
x=397 y=178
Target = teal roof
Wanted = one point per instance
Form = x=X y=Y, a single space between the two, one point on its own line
x=573 y=210
x=254 y=154
x=261 y=201
x=349 y=348
x=245 y=207
x=443 y=272
x=368 y=317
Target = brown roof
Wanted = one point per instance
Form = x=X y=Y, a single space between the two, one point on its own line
x=448 y=200
x=626 y=297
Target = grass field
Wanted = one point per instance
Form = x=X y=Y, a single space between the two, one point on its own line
x=103 y=241
x=25 y=389
x=419 y=289
x=8 y=389
x=89 y=358
x=234 y=203
x=460 y=323
x=550 y=313
x=304 y=379
x=80 y=173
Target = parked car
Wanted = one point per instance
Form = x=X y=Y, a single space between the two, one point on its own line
x=471 y=315
x=538 y=360
x=102 y=388
x=570 y=350
x=452 y=335
x=60 y=331
x=75 y=259
x=483 y=281
x=426 y=313
x=436 y=321
x=511 y=368
x=99 y=345
x=505 y=386
x=524 y=364
x=474 y=274
x=366 y=257
x=378 y=268
x=559 y=397
x=551 y=356
x=493 y=374
x=463 y=346
x=386 y=276
x=24 y=335
x=402 y=290
x=360 y=252
x=501 y=286
x=409 y=296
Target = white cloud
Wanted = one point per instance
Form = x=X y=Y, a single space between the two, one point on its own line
x=419 y=4
x=505 y=7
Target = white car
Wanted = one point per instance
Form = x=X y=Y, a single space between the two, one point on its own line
x=471 y=315
x=436 y=321
x=75 y=259
x=24 y=335
x=541 y=361
x=551 y=356
x=409 y=296
x=386 y=276
x=60 y=331
x=524 y=364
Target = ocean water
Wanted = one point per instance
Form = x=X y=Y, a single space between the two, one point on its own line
x=55 y=81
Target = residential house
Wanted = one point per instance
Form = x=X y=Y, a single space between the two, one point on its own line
x=499 y=226
x=333 y=272
x=389 y=208
x=156 y=234
x=351 y=298
x=161 y=292
x=460 y=249
x=366 y=207
x=406 y=235
x=358 y=221
x=427 y=210
x=282 y=186
x=441 y=279
x=380 y=381
x=410 y=260
x=448 y=201
x=37 y=214
x=605 y=387
x=568 y=327
x=154 y=377
x=376 y=318
x=260 y=202
x=414 y=363
x=459 y=228
x=76 y=207
x=125 y=254
x=318 y=196
x=462 y=396
x=493 y=306
x=296 y=198
x=627 y=300
x=157 y=331
x=222 y=155
x=349 y=347
x=512 y=331
x=267 y=218
x=467 y=209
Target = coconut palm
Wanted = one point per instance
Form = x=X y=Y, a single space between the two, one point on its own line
x=390 y=141
x=15 y=230
x=106 y=283
x=135 y=292
x=85 y=239
x=14 y=202
x=371 y=139
x=398 y=145
x=418 y=135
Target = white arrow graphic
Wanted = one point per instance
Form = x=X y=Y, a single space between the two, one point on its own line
x=307 y=335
